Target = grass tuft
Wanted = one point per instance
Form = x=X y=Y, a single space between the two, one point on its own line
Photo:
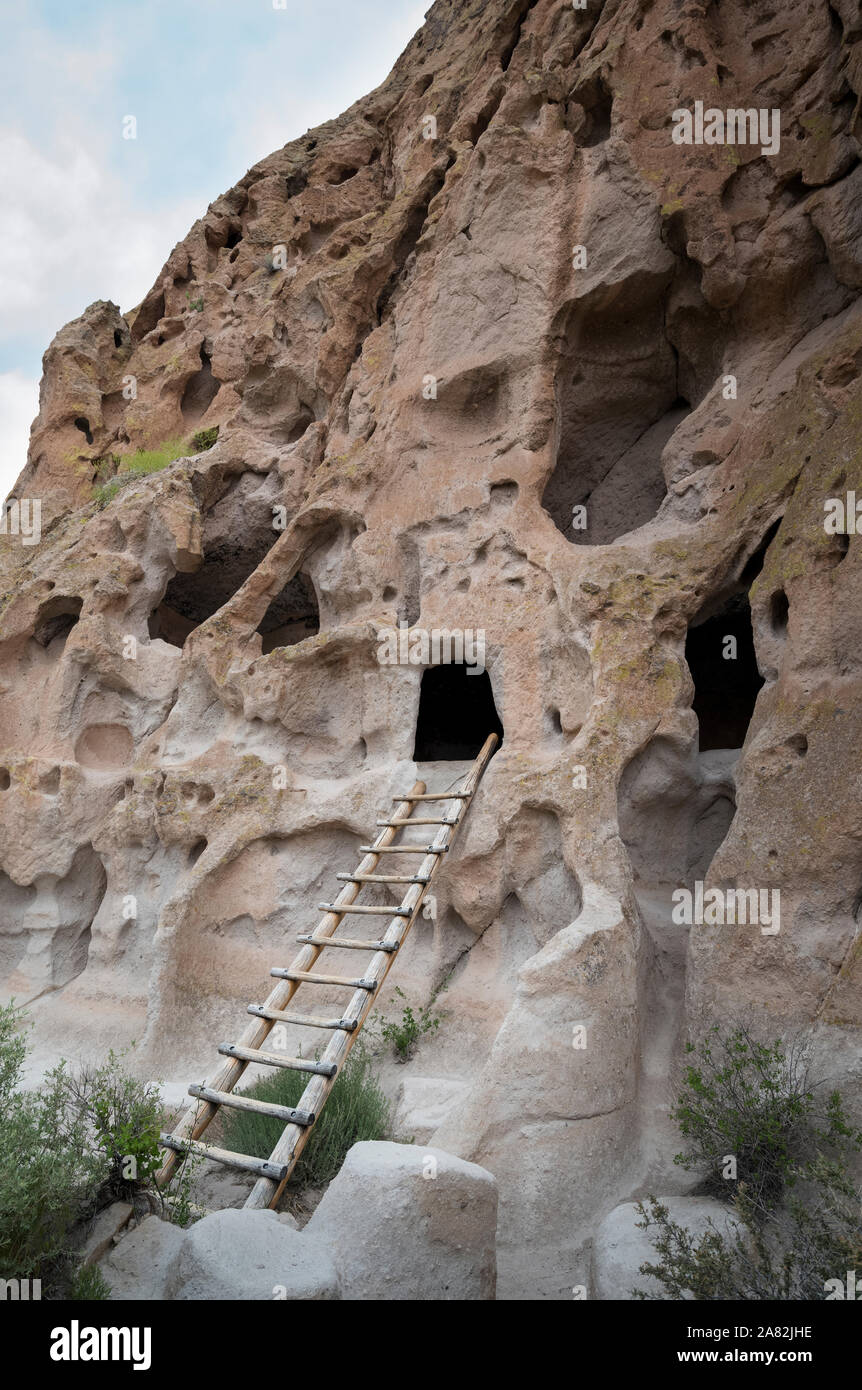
x=356 y=1110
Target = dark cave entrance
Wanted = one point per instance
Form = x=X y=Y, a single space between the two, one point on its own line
x=292 y=616
x=237 y=534
x=456 y=714
x=56 y=618
x=725 y=674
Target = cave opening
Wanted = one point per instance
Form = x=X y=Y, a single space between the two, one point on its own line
x=201 y=390
x=237 y=534
x=720 y=653
x=56 y=618
x=456 y=714
x=618 y=402
x=293 y=615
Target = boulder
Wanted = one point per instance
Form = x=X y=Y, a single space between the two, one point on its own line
x=409 y=1222
x=251 y=1255
x=620 y=1247
x=138 y=1267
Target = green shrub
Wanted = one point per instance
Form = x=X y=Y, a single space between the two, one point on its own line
x=790 y=1254
x=355 y=1110
x=123 y=1115
x=754 y=1103
x=797 y=1209
x=405 y=1035
x=50 y=1171
x=66 y=1150
x=204 y=439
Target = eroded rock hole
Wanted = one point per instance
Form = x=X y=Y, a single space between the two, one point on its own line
x=237 y=533
x=55 y=619
x=618 y=403
x=779 y=612
x=150 y=313
x=291 y=617
x=104 y=747
x=201 y=390
x=83 y=424
x=721 y=657
x=456 y=714
x=754 y=563
x=301 y=424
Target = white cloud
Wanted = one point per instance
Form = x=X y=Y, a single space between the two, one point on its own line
x=88 y=216
x=71 y=236
x=19 y=406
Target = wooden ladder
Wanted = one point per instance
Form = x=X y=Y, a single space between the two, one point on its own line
x=273 y=1173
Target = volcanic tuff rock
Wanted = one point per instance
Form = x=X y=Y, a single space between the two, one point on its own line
x=392 y=338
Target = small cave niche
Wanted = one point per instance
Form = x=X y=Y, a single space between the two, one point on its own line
x=201 y=390
x=618 y=402
x=49 y=781
x=456 y=714
x=104 y=747
x=342 y=175
x=196 y=850
x=720 y=653
x=553 y=723
x=237 y=533
x=297 y=428
x=291 y=617
x=296 y=184
x=55 y=619
x=151 y=312
x=82 y=423
x=779 y=612
x=5 y=779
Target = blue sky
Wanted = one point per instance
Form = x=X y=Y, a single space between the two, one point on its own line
x=214 y=85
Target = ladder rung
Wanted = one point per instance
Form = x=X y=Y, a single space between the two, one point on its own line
x=308 y=976
x=259 y=1107
x=390 y=911
x=404 y=849
x=348 y=1025
x=347 y=943
x=384 y=878
x=245 y=1162
x=436 y=796
x=272 y=1059
x=422 y=820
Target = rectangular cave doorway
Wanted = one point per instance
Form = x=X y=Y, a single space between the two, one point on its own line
x=723 y=664
x=456 y=714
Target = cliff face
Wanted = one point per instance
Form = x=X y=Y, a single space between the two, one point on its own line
x=493 y=293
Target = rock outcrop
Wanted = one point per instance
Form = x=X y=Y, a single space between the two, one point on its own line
x=491 y=351
x=397 y=1223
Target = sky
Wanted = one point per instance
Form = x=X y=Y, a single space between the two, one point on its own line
x=214 y=86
